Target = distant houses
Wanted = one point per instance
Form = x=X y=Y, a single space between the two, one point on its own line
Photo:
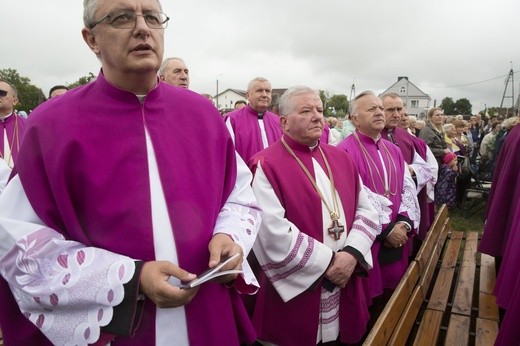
x=226 y=100
x=417 y=102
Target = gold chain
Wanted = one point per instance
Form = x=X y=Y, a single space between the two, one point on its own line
x=334 y=213
x=367 y=156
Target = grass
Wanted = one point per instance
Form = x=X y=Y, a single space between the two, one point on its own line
x=461 y=222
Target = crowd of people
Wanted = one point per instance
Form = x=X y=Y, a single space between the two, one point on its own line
x=110 y=204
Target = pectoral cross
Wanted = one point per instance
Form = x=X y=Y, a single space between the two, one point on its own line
x=336 y=229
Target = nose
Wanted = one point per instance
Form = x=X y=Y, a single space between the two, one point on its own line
x=140 y=25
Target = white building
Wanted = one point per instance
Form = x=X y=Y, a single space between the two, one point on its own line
x=417 y=102
x=226 y=99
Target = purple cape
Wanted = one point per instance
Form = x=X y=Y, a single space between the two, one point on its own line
x=409 y=145
x=15 y=127
x=296 y=321
x=387 y=275
x=248 y=140
x=84 y=166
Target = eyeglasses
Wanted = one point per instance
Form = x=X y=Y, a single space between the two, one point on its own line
x=391 y=110
x=3 y=93
x=128 y=20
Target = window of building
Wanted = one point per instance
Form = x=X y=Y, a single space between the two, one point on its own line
x=415 y=103
x=403 y=90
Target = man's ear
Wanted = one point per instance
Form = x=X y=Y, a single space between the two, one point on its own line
x=283 y=124
x=90 y=40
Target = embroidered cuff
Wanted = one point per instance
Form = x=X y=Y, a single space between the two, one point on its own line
x=127 y=315
x=362 y=266
x=402 y=218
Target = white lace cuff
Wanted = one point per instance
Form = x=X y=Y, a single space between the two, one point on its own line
x=66 y=289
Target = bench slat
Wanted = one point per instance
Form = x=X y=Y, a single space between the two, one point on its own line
x=407 y=320
x=487 y=306
x=441 y=290
x=487 y=274
x=428 y=332
x=458 y=330
x=385 y=324
x=487 y=332
x=464 y=290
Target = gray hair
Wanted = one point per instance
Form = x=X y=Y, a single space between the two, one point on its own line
x=89 y=9
x=353 y=106
x=285 y=102
x=255 y=80
x=164 y=65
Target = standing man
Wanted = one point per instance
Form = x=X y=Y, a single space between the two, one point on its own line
x=315 y=238
x=384 y=171
x=175 y=72
x=111 y=212
x=254 y=127
x=12 y=125
x=421 y=162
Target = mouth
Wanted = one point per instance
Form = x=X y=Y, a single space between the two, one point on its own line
x=142 y=47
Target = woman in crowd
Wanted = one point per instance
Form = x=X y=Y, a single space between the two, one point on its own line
x=433 y=134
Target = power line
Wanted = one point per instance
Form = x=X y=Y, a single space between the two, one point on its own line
x=467 y=84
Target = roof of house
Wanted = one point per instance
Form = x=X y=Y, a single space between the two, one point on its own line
x=412 y=89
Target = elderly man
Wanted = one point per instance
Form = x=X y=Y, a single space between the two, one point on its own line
x=315 y=238
x=13 y=126
x=421 y=162
x=175 y=72
x=384 y=171
x=99 y=228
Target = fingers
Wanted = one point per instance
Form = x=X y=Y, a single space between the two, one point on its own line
x=153 y=283
x=220 y=246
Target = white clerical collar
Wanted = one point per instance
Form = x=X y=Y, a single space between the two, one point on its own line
x=4 y=117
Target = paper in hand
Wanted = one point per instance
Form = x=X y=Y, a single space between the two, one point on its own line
x=212 y=273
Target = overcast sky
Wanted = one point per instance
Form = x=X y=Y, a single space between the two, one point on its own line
x=445 y=47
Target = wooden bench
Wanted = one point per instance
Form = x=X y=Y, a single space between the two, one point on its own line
x=446 y=295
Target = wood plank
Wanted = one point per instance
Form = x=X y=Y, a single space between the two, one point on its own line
x=458 y=330
x=407 y=320
x=386 y=322
x=428 y=332
x=441 y=290
x=429 y=270
x=487 y=274
x=463 y=299
x=487 y=306
x=432 y=237
x=486 y=332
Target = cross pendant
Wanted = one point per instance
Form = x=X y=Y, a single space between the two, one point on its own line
x=336 y=229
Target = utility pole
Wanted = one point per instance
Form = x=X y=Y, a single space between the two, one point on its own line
x=510 y=78
x=352 y=94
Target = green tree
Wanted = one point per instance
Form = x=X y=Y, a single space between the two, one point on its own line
x=463 y=106
x=82 y=80
x=339 y=103
x=29 y=95
x=448 y=106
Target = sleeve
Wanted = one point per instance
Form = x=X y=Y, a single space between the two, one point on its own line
x=434 y=168
x=429 y=137
x=68 y=290
x=240 y=218
x=5 y=172
x=422 y=171
x=291 y=259
x=409 y=204
x=364 y=230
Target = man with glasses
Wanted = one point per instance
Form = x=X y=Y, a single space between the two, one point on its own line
x=113 y=204
x=13 y=126
x=421 y=162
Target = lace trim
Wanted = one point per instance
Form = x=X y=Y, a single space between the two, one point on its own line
x=381 y=204
x=66 y=289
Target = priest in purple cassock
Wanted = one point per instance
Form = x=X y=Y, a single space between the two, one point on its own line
x=113 y=203
x=13 y=129
x=315 y=238
x=420 y=159
x=501 y=237
x=254 y=127
x=384 y=171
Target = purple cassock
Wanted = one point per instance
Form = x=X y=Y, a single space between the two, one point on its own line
x=246 y=129
x=248 y=139
x=383 y=275
x=14 y=126
x=296 y=322
x=93 y=187
x=501 y=236
x=409 y=145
